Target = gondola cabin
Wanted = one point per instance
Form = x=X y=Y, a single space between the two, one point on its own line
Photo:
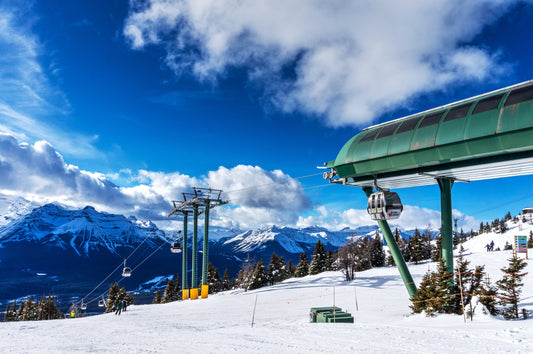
x=126 y=272
x=175 y=247
x=384 y=206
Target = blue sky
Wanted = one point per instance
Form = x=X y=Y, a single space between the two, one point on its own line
x=127 y=105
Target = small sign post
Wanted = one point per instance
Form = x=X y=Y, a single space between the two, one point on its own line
x=520 y=245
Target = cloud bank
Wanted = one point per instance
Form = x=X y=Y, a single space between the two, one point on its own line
x=346 y=62
x=38 y=172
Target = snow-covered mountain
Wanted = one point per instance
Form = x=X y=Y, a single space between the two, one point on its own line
x=82 y=230
x=12 y=208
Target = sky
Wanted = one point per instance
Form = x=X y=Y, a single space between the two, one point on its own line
x=126 y=105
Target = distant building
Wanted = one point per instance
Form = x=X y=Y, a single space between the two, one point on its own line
x=527 y=211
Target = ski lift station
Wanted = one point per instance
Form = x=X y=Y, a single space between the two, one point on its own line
x=483 y=137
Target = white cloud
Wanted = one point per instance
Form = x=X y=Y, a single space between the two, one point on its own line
x=412 y=217
x=346 y=61
x=29 y=101
x=38 y=172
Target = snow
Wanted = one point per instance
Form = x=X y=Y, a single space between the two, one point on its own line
x=222 y=322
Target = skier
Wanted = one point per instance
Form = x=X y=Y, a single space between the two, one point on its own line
x=492 y=245
x=119 y=308
x=488 y=247
x=124 y=305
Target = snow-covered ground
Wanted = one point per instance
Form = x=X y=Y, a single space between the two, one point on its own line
x=222 y=323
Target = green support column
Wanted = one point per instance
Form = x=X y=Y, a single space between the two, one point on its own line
x=395 y=252
x=446 y=218
x=206 y=245
x=194 y=281
x=184 y=282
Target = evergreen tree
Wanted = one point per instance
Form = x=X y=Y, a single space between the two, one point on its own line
x=530 y=239
x=169 y=294
x=213 y=279
x=225 y=281
x=291 y=269
x=436 y=253
x=487 y=296
x=390 y=259
x=330 y=261
x=7 y=314
x=302 y=268
x=283 y=269
x=259 y=277
x=318 y=262
x=377 y=257
x=435 y=293
x=243 y=277
x=416 y=247
x=157 y=298
x=273 y=275
x=510 y=287
x=469 y=279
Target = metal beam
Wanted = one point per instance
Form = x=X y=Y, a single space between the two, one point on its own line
x=395 y=251
x=446 y=217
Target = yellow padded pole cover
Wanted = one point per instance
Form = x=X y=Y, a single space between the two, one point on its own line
x=194 y=293
x=205 y=291
x=185 y=294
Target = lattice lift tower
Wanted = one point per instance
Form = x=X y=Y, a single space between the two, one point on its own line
x=201 y=200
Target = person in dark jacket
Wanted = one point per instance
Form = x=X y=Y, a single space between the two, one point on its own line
x=119 y=308
x=124 y=305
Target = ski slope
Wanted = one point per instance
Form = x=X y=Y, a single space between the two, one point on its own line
x=222 y=323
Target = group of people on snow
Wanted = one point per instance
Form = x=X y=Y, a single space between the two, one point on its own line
x=490 y=246
x=121 y=306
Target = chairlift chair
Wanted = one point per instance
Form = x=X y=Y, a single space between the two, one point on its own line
x=83 y=306
x=101 y=303
x=384 y=205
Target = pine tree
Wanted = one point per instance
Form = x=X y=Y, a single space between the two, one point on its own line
x=112 y=297
x=259 y=277
x=291 y=269
x=487 y=296
x=7 y=314
x=416 y=248
x=283 y=269
x=318 y=262
x=377 y=258
x=530 y=239
x=169 y=294
x=469 y=279
x=436 y=253
x=435 y=293
x=330 y=261
x=273 y=269
x=157 y=298
x=510 y=287
x=302 y=268
x=213 y=279
x=225 y=281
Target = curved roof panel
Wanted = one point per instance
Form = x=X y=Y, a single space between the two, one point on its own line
x=491 y=129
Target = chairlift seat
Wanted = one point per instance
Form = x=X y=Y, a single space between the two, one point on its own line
x=83 y=307
x=101 y=303
x=384 y=205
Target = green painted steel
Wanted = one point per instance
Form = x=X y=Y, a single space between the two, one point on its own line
x=206 y=244
x=445 y=185
x=487 y=128
x=184 y=280
x=194 y=280
x=395 y=252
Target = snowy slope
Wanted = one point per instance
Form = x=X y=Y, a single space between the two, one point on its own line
x=12 y=208
x=222 y=323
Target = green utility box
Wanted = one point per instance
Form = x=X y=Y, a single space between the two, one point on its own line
x=329 y=315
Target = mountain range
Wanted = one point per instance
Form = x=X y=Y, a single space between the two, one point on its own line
x=68 y=251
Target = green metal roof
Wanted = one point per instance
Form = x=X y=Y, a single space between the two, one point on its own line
x=483 y=137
